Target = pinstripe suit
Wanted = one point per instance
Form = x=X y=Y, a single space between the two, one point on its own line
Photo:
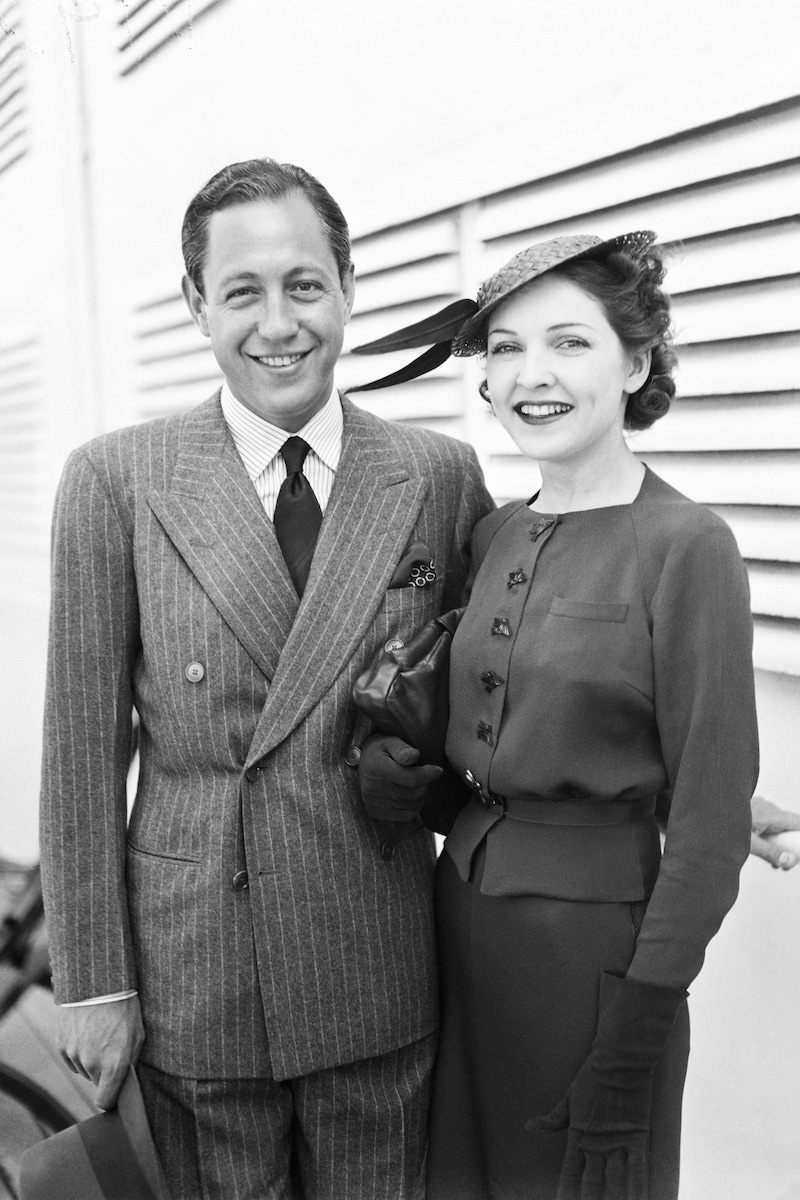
x=164 y=557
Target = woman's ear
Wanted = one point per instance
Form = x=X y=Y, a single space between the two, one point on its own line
x=639 y=370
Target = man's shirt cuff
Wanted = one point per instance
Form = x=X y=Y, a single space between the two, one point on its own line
x=100 y=999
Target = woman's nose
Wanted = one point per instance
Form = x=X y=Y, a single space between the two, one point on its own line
x=536 y=369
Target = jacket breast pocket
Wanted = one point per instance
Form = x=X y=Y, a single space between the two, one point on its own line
x=588 y=610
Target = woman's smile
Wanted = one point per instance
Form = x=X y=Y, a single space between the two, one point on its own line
x=541 y=412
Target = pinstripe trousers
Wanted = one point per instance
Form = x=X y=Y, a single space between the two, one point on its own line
x=353 y=1132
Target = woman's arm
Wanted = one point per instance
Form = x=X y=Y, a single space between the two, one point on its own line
x=706 y=716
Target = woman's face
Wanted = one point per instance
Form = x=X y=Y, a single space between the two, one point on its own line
x=558 y=375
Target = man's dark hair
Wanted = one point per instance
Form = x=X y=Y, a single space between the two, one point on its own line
x=259 y=179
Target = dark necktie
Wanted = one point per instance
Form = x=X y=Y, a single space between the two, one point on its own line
x=298 y=515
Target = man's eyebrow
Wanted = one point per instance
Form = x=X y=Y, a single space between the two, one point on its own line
x=243 y=274
x=293 y=272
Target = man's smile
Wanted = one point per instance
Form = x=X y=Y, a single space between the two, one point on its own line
x=279 y=360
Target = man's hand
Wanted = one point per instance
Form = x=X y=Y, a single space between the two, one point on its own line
x=393 y=786
x=101 y=1041
x=769 y=820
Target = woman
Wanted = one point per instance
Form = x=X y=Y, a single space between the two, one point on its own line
x=603 y=662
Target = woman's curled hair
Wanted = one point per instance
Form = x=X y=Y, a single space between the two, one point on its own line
x=627 y=285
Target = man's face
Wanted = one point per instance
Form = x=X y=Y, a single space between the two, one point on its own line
x=274 y=307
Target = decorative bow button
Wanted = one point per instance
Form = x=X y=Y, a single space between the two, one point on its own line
x=541 y=526
x=501 y=627
x=516 y=577
x=490 y=680
x=485 y=733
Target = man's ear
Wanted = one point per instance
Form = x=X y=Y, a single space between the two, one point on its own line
x=349 y=289
x=196 y=305
x=640 y=369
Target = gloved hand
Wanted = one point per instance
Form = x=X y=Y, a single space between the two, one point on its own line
x=607 y=1106
x=393 y=786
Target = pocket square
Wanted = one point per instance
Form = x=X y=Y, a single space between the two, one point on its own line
x=415 y=568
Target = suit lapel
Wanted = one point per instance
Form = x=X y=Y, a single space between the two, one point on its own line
x=213 y=516
x=372 y=510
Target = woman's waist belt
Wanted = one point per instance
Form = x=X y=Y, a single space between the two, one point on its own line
x=542 y=811
x=596 y=850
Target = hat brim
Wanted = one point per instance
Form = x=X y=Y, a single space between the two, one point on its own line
x=471 y=337
x=111 y=1154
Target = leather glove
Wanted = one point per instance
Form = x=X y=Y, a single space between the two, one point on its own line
x=607 y=1107
x=393 y=785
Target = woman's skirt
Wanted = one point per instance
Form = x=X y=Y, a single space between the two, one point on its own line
x=519 y=979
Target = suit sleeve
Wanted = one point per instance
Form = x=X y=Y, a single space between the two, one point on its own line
x=475 y=503
x=706 y=716
x=94 y=640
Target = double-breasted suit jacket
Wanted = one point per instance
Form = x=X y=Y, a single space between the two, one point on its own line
x=267 y=922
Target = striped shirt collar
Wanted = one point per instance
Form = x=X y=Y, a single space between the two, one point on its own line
x=258 y=440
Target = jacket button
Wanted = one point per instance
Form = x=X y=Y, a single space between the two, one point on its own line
x=394 y=643
x=252 y=773
x=387 y=851
x=240 y=881
x=352 y=756
x=195 y=672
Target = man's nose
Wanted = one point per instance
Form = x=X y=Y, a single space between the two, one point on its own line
x=536 y=369
x=276 y=319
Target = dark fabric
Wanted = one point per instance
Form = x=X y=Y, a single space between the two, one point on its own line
x=608 y=1105
x=566 y=849
x=298 y=515
x=519 y=983
x=623 y=638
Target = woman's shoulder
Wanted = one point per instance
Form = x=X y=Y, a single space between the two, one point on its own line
x=667 y=514
x=678 y=538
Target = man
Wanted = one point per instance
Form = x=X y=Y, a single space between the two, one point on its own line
x=260 y=942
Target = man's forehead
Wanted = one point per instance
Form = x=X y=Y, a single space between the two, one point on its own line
x=285 y=228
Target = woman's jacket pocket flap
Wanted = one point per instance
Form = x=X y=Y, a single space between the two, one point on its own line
x=588 y=610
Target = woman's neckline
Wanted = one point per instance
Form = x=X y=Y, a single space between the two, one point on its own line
x=569 y=512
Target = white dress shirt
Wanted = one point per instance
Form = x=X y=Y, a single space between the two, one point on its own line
x=259 y=444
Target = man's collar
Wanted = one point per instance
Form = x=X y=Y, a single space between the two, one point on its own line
x=258 y=440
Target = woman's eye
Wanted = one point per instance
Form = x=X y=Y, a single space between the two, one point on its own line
x=503 y=348
x=572 y=343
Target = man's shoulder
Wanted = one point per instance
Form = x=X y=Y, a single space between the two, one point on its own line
x=160 y=437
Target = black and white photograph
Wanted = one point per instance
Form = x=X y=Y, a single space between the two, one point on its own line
x=399 y=600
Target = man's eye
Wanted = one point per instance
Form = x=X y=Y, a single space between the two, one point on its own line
x=307 y=287
x=240 y=293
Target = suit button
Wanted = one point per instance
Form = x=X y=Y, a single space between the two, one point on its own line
x=352 y=756
x=240 y=881
x=387 y=851
x=394 y=643
x=252 y=773
x=195 y=672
